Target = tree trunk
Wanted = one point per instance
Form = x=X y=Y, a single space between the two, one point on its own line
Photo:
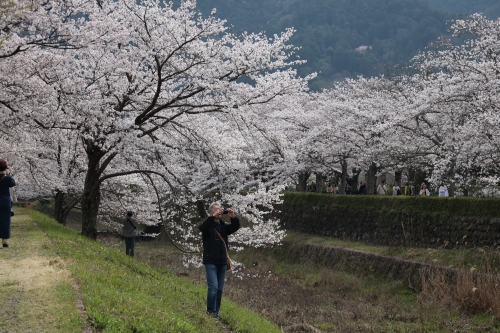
x=303 y=177
x=398 y=175
x=420 y=177
x=319 y=182
x=451 y=179
x=91 y=200
x=343 y=177
x=355 y=180
x=200 y=206
x=59 y=207
x=372 y=178
x=451 y=189
x=411 y=176
x=63 y=206
x=91 y=197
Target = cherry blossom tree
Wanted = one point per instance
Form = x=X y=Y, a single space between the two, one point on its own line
x=459 y=105
x=157 y=98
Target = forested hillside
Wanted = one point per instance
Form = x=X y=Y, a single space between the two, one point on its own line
x=490 y=8
x=346 y=38
x=340 y=38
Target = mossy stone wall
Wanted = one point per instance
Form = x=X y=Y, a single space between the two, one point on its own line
x=395 y=221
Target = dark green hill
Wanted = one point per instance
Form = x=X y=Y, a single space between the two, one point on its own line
x=490 y=8
x=342 y=38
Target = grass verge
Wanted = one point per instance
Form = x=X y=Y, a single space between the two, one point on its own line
x=480 y=259
x=125 y=295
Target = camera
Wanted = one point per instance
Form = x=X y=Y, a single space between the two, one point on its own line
x=225 y=212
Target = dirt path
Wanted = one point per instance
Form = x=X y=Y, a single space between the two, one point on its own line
x=36 y=290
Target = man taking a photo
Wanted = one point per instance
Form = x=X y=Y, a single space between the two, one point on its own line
x=215 y=255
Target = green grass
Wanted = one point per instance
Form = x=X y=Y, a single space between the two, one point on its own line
x=125 y=295
x=37 y=294
x=313 y=275
x=484 y=260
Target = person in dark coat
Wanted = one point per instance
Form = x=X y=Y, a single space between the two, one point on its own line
x=6 y=182
x=363 y=189
x=215 y=256
x=347 y=188
x=129 y=232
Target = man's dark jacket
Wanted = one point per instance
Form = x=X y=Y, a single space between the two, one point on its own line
x=363 y=190
x=213 y=248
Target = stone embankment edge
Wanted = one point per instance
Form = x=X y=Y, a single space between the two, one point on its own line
x=358 y=262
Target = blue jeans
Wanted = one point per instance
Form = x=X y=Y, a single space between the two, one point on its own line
x=216 y=274
x=129 y=246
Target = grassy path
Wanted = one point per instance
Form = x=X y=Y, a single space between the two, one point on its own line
x=38 y=274
x=35 y=287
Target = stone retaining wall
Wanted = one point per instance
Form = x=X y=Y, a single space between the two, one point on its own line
x=385 y=227
x=365 y=263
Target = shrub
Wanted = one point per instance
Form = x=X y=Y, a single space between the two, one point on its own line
x=471 y=291
x=459 y=206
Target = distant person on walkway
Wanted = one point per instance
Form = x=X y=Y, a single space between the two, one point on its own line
x=129 y=232
x=215 y=255
x=396 y=190
x=363 y=190
x=329 y=189
x=313 y=187
x=424 y=190
x=6 y=183
x=347 y=188
x=409 y=189
x=382 y=188
x=336 y=189
x=443 y=190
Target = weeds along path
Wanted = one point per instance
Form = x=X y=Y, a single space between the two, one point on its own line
x=36 y=289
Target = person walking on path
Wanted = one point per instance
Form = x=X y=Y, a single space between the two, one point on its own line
x=424 y=190
x=6 y=183
x=215 y=256
x=329 y=189
x=382 y=188
x=347 y=188
x=443 y=190
x=363 y=189
x=396 y=190
x=409 y=189
x=129 y=232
